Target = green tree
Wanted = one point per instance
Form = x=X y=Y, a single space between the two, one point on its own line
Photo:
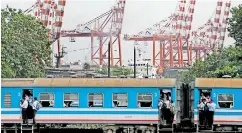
x=235 y=25
x=23 y=38
x=227 y=62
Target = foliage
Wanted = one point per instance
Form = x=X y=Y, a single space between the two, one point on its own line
x=23 y=38
x=227 y=62
x=235 y=25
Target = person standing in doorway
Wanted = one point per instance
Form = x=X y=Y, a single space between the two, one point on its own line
x=212 y=107
x=201 y=105
x=161 y=111
x=35 y=108
x=173 y=110
x=24 y=106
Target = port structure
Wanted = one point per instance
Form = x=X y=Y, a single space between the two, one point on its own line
x=178 y=45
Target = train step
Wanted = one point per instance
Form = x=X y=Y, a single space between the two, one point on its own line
x=28 y=127
x=165 y=129
x=206 y=131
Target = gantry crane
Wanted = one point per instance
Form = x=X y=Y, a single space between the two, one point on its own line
x=108 y=30
x=171 y=34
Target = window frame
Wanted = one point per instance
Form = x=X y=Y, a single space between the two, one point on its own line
x=95 y=93
x=137 y=96
x=127 y=99
x=225 y=94
x=47 y=100
x=4 y=106
x=71 y=93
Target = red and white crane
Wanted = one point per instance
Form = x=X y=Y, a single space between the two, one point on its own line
x=210 y=37
x=51 y=15
x=108 y=30
x=172 y=35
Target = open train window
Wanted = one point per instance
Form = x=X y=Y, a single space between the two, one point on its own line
x=46 y=99
x=7 y=100
x=144 y=100
x=225 y=100
x=71 y=100
x=95 y=100
x=120 y=100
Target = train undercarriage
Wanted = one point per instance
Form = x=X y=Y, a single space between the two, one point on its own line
x=104 y=128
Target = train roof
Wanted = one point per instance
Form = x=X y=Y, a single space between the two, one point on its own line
x=91 y=82
x=218 y=82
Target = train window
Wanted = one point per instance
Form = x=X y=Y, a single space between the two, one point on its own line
x=71 y=100
x=120 y=100
x=7 y=100
x=144 y=100
x=95 y=100
x=226 y=100
x=46 y=99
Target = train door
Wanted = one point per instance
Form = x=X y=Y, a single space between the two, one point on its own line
x=202 y=116
x=28 y=93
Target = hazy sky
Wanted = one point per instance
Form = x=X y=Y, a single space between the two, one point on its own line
x=139 y=14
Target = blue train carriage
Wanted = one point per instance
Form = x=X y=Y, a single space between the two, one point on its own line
x=227 y=95
x=93 y=101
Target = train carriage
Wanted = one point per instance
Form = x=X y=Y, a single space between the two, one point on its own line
x=227 y=95
x=108 y=101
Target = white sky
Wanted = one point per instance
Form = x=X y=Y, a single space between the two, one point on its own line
x=139 y=14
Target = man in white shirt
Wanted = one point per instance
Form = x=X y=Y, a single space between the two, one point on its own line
x=24 y=106
x=35 y=103
x=201 y=105
x=161 y=110
x=212 y=108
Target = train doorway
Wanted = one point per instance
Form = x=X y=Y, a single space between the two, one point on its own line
x=28 y=95
x=205 y=96
x=27 y=92
x=165 y=115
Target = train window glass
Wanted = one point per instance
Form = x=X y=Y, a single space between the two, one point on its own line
x=7 y=100
x=120 y=100
x=226 y=100
x=46 y=99
x=95 y=100
x=144 y=100
x=71 y=100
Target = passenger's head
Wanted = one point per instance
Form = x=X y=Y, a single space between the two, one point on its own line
x=35 y=98
x=171 y=101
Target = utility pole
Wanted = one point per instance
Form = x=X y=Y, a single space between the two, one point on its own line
x=134 y=62
x=147 y=69
x=109 y=49
x=59 y=56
